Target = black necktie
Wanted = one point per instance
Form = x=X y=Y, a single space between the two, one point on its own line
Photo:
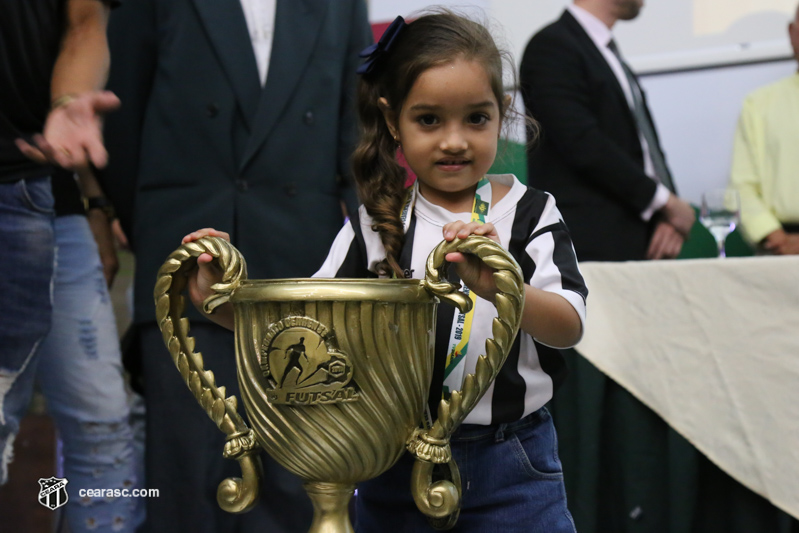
x=645 y=125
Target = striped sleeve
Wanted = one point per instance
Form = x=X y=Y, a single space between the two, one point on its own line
x=551 y=251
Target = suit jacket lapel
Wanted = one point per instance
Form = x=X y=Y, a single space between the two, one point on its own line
x=588 y=43
x=297 y=25
x=226 y=27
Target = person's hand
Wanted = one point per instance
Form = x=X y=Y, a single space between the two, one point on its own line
x=104 y=237
x=119 y=235
x=207 y=273
x=72 y=136
x=679 y=214
x=666 y=242
x=774 y=241
x=475 y=274
x=779 y=242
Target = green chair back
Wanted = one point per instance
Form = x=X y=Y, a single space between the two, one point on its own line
x=511 y=159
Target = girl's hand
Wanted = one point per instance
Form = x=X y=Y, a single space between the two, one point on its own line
x=200 y=233
x=475 y=274
x=207 y=273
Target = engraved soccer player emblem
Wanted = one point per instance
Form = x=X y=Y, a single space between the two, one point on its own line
x=53 y=492
x=302 y=366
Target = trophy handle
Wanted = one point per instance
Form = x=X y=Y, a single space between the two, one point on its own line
x=235 y=495
x=440 y=499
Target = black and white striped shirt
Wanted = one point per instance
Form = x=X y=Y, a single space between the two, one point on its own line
x=531 y=228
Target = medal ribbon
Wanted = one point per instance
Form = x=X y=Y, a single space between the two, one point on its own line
x=461 y=323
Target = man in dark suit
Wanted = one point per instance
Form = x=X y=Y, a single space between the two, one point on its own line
x=216 y=131
x=599 y=154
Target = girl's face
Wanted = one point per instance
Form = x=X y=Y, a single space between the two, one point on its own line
x=448 y=128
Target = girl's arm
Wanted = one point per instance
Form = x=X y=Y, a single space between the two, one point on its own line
x=207 y=274
x=548 y=317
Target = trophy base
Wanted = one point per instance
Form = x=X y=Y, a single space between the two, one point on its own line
x=331 y=506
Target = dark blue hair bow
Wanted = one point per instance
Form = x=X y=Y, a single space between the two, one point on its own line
x=374 y=52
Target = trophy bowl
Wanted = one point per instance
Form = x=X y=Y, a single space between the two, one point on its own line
x=335 y=375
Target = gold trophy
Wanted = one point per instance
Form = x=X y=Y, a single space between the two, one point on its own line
x=335 y=375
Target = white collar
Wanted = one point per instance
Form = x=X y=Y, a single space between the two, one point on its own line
x=440 y=216
x=595 y=28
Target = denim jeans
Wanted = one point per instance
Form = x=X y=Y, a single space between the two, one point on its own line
x=26 y=272
x=80 y=374
x=511 y=479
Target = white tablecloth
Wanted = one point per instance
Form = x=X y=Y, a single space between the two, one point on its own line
x=711 y=345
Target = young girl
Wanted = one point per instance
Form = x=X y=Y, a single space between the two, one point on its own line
x=433 y=89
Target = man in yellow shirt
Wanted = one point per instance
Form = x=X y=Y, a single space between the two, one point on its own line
x=765 y=166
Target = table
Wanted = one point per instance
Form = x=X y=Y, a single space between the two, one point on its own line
x=712 y=346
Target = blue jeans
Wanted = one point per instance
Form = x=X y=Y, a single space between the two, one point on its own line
x=80 y=374
x=511 y=480
x=26 y=272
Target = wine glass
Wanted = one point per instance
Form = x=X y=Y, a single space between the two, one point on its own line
x=720 y=214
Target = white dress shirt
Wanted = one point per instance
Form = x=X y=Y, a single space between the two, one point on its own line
x=601 y=35
x=260 y=16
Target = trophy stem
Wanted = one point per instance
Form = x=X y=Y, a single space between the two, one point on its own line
x=330 y=502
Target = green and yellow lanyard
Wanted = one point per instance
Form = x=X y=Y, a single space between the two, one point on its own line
x=461 y=323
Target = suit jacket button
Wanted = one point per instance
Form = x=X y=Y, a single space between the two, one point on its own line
x=308 y=118
x=291 y=190
x=212 y=110
x=242 y=185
